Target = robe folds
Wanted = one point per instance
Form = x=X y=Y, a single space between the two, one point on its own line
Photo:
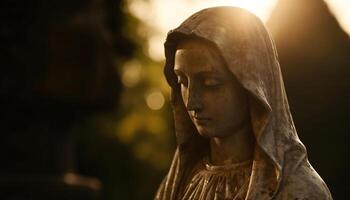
x=280 y=168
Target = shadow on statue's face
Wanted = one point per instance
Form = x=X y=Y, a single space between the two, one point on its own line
x=215 y=101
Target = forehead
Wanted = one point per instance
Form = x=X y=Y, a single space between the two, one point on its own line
x=197 y=55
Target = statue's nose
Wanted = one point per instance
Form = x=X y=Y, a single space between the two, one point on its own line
x=194 y=100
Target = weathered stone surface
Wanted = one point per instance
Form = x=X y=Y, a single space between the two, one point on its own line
x=280 y=168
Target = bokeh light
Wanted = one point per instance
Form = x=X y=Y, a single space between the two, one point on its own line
x=131 y=73
x=155 y=100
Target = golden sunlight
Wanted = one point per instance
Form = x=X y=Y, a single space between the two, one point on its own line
x=162 y=15
x=340 y=9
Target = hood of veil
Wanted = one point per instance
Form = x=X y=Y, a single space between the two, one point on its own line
x=249 y=53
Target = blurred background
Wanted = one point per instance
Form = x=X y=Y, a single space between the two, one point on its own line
x=84 y=106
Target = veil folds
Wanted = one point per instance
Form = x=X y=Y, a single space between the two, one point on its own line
x=250 y=55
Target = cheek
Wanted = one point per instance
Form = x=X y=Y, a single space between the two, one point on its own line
x=238 y=106
x=223 y=99
x=229 y=105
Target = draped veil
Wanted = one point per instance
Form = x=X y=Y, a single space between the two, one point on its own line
x=280 y=168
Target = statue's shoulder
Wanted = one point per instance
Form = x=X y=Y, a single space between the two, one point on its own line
x=304 y=183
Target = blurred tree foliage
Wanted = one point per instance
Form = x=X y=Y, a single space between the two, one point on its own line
x=129 y=148
x=64 y=108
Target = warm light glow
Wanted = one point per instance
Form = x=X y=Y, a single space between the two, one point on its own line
x=163 y=15
x=340 y=9
x=155 y=100
x=131 y=73
x=73 y=179
x=168 y=14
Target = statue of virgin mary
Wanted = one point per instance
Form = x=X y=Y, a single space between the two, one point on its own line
x=235 y=134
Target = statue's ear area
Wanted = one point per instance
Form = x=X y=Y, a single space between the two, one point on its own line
x=259 y=115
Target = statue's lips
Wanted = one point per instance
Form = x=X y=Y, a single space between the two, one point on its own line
x=201 y=120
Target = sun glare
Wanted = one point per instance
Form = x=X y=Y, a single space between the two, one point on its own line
x=162 y=15
x=260 y=8
x=340 y=8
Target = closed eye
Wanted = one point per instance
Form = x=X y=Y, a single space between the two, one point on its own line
x=212 y=82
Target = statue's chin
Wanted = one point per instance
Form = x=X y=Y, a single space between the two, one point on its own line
x=205 y=132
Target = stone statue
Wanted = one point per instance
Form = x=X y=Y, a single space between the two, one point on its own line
x=235 y=134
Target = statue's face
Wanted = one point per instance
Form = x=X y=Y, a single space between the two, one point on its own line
x=216 y=103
